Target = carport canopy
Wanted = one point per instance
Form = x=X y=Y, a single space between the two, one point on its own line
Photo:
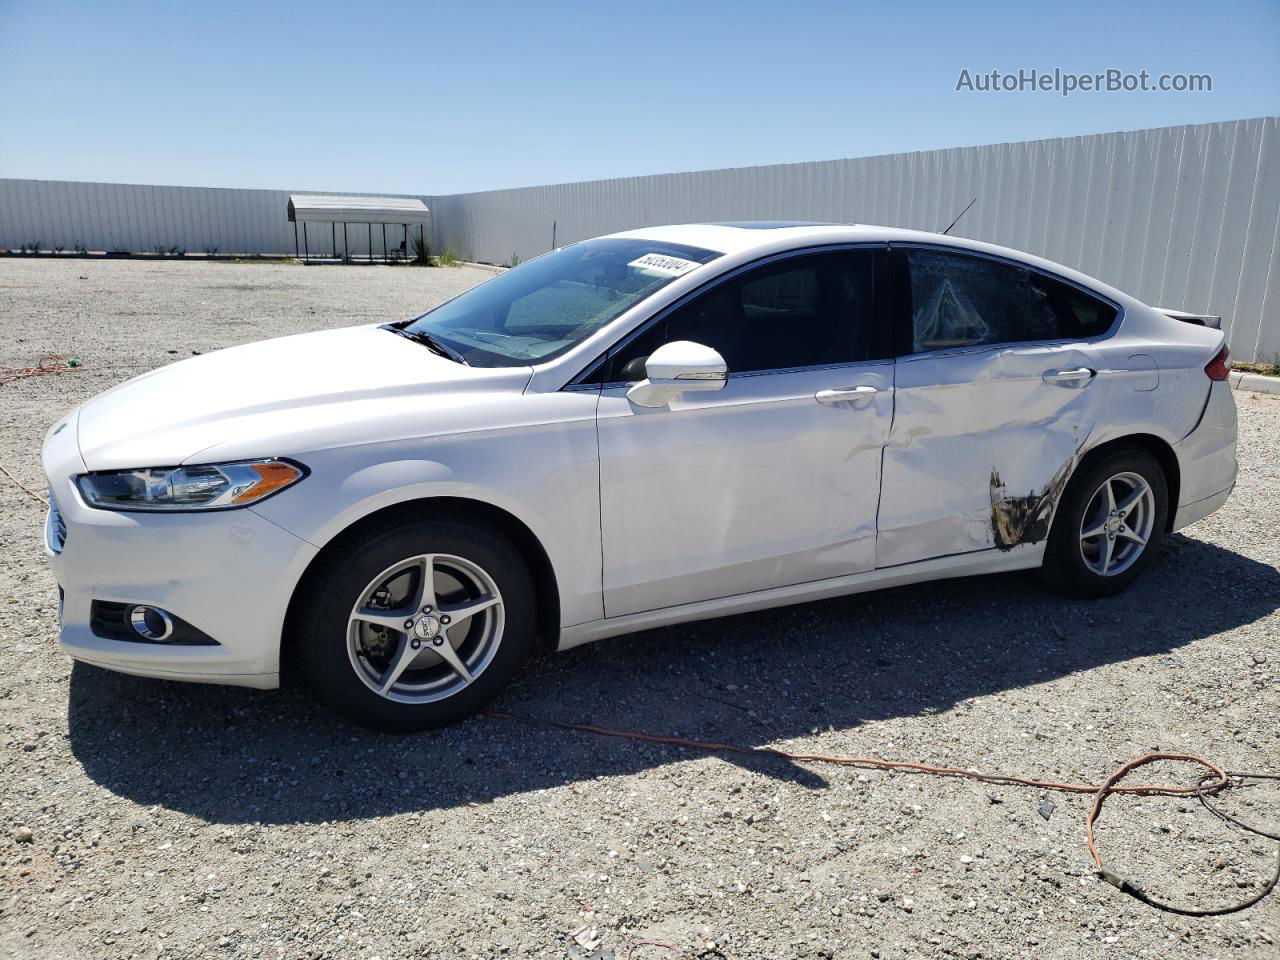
x=306 y=208
x=323 y=208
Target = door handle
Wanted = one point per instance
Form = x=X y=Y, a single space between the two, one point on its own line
x=1069 y=376
x=859 y=394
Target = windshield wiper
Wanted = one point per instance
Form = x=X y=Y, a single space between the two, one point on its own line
x=428 y=341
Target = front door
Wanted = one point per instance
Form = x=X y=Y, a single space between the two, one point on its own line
x=998 y=391
x=773 y=480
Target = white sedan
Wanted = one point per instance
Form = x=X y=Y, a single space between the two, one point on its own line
x=648 y=428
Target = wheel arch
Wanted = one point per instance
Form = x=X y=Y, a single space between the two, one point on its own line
x=522 y=537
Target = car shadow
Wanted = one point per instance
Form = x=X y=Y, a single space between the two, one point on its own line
x=234 y=756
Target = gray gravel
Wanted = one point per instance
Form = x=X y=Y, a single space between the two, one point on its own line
x=149 y=819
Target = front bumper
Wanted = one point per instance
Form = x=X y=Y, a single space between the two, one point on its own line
x=228 y=573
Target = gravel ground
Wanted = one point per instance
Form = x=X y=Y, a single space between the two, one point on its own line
x=150 y=819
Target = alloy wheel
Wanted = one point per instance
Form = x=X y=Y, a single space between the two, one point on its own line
x=1118 y=522
x=425 y=628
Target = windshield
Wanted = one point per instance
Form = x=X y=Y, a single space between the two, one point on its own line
x=542 y=308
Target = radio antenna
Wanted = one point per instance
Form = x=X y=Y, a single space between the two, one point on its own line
x=962 y=213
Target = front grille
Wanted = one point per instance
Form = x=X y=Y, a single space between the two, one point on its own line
x=55 y=528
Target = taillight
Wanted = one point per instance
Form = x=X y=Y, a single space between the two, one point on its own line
x=1220 y=366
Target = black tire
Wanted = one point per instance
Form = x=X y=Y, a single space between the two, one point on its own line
x=323 y=609
x=1065 y=566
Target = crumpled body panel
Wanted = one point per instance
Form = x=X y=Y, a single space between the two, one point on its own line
x=982 y=447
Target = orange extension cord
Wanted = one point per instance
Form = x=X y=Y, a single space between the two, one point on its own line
x=55 y=364
x=1216 y=780
x=51 y=364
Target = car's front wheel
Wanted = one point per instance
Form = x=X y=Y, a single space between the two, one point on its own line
x=1109 y=524
x=417 y=624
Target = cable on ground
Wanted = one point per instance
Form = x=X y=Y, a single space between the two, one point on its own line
x=49 y=365
x=31 y=493
x=1215 y=781
x=53 y=364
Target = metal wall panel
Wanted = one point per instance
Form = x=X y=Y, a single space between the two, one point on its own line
x=1184 y=217
x=139 y=218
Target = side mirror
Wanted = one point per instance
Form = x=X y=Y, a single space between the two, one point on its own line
x=678 y=367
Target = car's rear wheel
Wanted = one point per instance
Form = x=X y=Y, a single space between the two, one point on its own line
x=1109 y=524
x=419 y=624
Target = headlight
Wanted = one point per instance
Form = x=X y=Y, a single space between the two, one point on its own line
x=207 y=486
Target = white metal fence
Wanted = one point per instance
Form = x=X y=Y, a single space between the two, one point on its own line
x=141 y=219
x=1185 y=217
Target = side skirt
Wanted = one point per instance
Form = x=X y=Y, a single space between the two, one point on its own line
x=1021 y=557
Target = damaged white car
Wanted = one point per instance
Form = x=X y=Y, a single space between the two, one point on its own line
x=643 y=429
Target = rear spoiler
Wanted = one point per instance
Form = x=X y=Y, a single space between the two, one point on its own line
x=1200 y=319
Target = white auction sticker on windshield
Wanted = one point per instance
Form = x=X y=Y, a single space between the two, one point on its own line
x=661 y=263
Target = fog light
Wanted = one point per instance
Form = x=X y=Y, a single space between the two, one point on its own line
x=143 y=623
x=151 y=623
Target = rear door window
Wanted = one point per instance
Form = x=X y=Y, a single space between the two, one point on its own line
x=958 y=300
x=1080 y=315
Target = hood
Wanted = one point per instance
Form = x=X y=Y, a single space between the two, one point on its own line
x=272 y=398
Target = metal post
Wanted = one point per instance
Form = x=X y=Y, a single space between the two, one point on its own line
x=306 y=247
x=295 y=238
x=370 y=226
x=406 y=240
x=384 y=243
x=346 y=246
x=333 y=231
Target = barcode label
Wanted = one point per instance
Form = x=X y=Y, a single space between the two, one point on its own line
x=660 y=263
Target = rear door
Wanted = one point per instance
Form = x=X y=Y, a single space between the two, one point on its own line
x=772 y=480
x=997 y=390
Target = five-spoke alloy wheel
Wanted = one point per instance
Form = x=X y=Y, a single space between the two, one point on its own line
x=425 y=628
x=1117 y=524
x=1108 y=524
x=415 y=621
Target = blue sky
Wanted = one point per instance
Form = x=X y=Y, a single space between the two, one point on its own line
x=442 y=98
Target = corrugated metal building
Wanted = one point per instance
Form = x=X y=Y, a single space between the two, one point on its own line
x=1185 y=217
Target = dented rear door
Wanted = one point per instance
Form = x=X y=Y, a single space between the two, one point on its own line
x=984 y=435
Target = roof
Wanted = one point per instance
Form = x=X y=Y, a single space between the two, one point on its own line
x=747 y=240
x=748 y=235
x=337 y=209
x=771 y=224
